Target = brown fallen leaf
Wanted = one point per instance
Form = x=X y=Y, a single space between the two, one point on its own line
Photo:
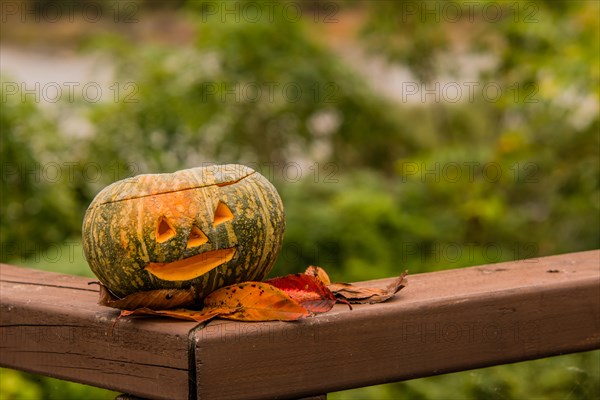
x=248 y=301
x=286 y=298
x=357 y=294
x=307 y=290
x=177 y=313
x=318 y=273
x=162 y=299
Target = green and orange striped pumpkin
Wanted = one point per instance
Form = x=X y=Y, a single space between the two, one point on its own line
x=205 y=227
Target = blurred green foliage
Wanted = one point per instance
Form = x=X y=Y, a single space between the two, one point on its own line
x=246 y=92
x=383 y=185
x=31 y=143
x=16 y=385
x=573 y=376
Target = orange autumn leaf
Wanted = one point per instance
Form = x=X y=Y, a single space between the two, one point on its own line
x=248 y=301
x=255 y=301
x=286 y=298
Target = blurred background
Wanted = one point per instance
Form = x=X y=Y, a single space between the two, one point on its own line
x=417 y=135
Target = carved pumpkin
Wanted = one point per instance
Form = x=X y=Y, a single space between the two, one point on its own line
x=204 y=227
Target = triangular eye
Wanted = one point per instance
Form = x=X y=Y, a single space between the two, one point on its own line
x=164 y=230
x=222 y=214
x=197 y=237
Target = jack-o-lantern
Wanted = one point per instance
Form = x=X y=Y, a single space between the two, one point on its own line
x=203 y=227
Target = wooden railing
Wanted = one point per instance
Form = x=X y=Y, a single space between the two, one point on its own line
x=441 y=322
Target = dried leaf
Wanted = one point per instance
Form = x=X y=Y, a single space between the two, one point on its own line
x=318 y=273
x=255 y=301
x=162 y=299
x=307 y=290
x=287 y=298
x=105 y=295
x=248 y=301
x=178 y=313
x=357 y=294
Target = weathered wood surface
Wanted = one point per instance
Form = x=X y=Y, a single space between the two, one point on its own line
x=442 y=322
x=51 y=324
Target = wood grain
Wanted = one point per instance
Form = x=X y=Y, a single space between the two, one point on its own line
x=51 y=324
x=441 y=322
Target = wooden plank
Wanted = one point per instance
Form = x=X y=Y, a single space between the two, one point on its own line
x=442 y=322
x=51 y=324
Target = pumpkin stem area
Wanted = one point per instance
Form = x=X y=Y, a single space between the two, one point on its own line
x=191 y=267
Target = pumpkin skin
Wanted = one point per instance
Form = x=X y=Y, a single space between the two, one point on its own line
x=203 y=227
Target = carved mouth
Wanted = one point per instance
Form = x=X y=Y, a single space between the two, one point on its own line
x=191 y=267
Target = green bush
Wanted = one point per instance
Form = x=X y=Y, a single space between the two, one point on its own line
x=16 y=385
x=573 y=376
x=39 y=205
